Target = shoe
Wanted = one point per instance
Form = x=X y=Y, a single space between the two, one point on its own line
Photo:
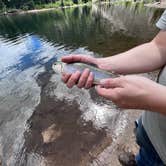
x=127 y=159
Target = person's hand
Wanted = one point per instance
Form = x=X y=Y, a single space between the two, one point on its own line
x=81 y=80
x=133 y=92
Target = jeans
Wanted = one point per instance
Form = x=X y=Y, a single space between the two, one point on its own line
x=147 y=155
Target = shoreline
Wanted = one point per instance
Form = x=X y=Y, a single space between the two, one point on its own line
x=42 y=10
x=19 y=11
x=156 y=5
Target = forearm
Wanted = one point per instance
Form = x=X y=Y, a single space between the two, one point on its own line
x=144 y=58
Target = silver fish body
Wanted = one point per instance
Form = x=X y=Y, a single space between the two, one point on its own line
x=99 y=74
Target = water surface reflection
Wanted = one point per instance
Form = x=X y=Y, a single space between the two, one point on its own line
x=42 y=122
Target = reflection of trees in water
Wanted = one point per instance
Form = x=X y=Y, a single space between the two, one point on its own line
x=129 y=17
x=97 y=29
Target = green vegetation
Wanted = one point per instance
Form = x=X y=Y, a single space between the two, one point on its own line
x=12 y=6
x=132 y=2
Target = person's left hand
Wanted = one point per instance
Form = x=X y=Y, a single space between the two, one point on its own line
x=131 y=91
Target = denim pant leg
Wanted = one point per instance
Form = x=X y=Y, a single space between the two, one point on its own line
x=147 y=155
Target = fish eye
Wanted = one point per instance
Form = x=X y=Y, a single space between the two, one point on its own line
x=55 y=63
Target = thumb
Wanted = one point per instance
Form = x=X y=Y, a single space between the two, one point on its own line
x=79 y=58
x=111 y=82
x=107 y=93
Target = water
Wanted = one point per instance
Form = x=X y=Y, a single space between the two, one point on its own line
x=41 y=121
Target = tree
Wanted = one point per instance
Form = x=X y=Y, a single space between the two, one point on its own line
x=30 y=4
x=84 y=1
x=27 y=4
x=62 y=3
x=75 y=1
x=2 y=5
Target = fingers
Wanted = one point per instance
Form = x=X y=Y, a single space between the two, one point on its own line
x=78 y=58
x=83 y=79
x=65 y=77
x=72 y=80
x=89 y=82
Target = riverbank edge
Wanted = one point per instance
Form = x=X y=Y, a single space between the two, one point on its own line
x=156 y=5
x=45 y=9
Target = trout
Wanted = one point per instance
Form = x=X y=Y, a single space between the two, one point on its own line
x=70 y=68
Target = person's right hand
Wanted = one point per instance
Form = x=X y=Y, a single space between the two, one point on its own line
x=134 y=92
x=82 y=80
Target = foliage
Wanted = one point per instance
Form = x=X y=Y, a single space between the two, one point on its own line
x=28 y=5
x=2 y=5
x=32 y=4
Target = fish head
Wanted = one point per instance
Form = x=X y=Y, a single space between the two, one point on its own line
x=57 y=67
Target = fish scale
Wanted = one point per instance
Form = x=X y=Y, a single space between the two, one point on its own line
x=99 y=74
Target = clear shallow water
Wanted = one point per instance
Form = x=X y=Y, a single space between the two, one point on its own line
x=33 y=101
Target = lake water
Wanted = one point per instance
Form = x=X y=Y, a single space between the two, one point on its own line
x=41 y=121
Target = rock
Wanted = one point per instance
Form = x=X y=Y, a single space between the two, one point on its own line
x=51 y=134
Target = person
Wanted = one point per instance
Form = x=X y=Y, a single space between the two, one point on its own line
x=134 y=92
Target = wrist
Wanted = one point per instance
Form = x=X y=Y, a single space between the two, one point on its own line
x=157 y=99
x=105 y=64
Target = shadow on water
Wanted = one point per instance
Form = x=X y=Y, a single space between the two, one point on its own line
x=54 y=129
x=60 y=135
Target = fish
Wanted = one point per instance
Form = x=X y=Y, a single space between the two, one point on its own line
x=70 y=68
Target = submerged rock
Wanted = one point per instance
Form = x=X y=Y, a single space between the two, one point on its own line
x=51 y=134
